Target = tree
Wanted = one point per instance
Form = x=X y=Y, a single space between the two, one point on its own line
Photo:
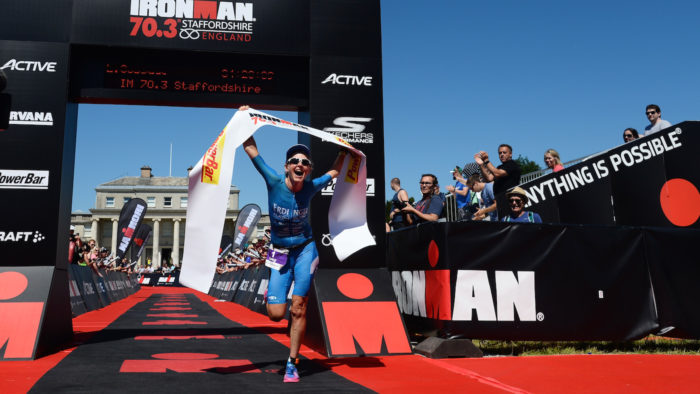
x=526 y=165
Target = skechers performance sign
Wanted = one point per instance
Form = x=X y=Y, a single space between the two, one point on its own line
x=24 y=179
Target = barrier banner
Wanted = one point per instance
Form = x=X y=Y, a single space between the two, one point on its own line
x=167 y=279
x=141 y=236
x=257 y=300
x=674 y=274
x=248 y=218
x=77 y=305
x=523 y=281
x=242 y=292
x=130 y=218
x=651 y=181
x=101 y=288
x=209 y=187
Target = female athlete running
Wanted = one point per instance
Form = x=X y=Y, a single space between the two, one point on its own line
x=288 y=197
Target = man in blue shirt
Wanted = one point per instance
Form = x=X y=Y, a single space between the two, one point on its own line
x=487 y=204
x=289 y=196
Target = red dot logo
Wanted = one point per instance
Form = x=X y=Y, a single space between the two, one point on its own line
x=355 y=286
x=12 y=284
x=680 y=202
x=433 y=253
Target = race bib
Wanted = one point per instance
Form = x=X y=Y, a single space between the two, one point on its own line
x=276 y=258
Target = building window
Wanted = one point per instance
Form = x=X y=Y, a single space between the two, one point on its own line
x=151 y=202
x=167 y=201
x=126 y=200
x=183 y=202
x=109 y=202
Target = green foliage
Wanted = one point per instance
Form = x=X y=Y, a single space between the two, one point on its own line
x=526 y=165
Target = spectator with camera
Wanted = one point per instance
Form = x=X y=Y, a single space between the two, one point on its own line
x=430 y=207
x=487 y=199
x=467 y=201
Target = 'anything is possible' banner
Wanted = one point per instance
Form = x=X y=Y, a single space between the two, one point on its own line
x=648 y=182
x=209 y=187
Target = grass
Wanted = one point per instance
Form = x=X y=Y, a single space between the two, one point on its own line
x=649 y=345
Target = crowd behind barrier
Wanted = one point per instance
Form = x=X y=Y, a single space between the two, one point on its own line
x=90 y=291
x=465 y=202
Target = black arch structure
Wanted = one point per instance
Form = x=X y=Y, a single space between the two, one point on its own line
x=319 y=57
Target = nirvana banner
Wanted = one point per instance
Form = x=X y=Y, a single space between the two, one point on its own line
x=247 y=219
x=130 y=218
x=546 y=282
x=652 y=181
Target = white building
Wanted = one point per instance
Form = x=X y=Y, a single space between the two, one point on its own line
x=166 y=200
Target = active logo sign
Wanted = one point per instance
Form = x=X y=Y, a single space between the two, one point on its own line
x=31 y=118
x=29 y=65
x=192 y=20
x=350 y=80
x=351 y=129
x=24 y=179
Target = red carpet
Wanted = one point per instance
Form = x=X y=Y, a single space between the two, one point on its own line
x=581 y=373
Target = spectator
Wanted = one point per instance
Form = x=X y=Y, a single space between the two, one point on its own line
x=630 y=134
x=487 y=200
x=461 y=193
x=400 y=199
x=552 y=160
x=655 y=122
x=517 y=198
x=429 y=208
x=506 y=175
x=74 y=247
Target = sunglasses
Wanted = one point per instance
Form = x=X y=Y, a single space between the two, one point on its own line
x=515 y=201
x=651 y=113
x=628 y=135
x=296 y=160
x=426 y=183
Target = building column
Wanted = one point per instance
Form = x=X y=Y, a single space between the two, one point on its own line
x=115 y=225
x=95 y=232
x=176 y=242
x=155 y=259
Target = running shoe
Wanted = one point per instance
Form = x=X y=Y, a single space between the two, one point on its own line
x=291 y=375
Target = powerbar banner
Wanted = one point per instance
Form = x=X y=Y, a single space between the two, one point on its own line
x=533 y=282
x=210 y=183
x=141 y=236
x=130 y=218
x=248 y=218
x=652 y=181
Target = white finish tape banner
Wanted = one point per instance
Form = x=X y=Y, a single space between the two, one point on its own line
x=210 y=184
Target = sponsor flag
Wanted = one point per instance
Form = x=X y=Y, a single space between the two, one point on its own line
x=210 y=184
x=225 y=247
x=130 y=218
x=141 y=236
x=247 y=219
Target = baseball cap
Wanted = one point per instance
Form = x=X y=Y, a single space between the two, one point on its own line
x=298 y=148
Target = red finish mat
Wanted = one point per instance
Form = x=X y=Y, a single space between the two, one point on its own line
x=580 y=373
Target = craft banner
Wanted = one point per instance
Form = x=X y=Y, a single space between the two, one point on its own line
x=141 y=236
x=209 y=188
x=130 y=218
x=248 y=218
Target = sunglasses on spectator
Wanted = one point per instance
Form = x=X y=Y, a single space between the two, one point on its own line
x=426 y=183
x=296 y=160
x=628 y=135
x=515 y=201
x=650 y=113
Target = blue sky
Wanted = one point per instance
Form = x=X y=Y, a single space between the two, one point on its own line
x=459 y=77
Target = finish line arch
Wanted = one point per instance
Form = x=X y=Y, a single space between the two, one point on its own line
x=320 y=58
